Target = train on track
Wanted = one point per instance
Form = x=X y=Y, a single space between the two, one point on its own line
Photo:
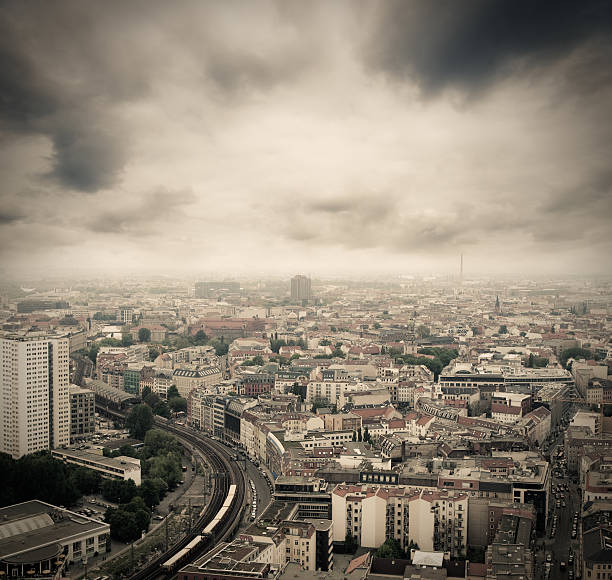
x=207 y=538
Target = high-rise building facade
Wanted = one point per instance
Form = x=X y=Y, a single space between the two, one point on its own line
x=34 y=399
x=300 y=288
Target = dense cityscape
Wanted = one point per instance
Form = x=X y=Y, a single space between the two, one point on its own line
x=443 y=427
x=305 y=290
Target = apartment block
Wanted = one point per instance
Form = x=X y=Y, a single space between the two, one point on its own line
x=34 y=399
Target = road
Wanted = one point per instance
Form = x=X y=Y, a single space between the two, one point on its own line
x=562 y=543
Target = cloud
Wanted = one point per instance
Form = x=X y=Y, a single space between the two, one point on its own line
x=143 y=217
x=330 y=133
x=472 y=44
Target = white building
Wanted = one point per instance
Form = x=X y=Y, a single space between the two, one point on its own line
x=122 y=467
x=34 y=399
x=435 y=520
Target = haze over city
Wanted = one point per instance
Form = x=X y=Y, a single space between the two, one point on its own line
x=324 y=137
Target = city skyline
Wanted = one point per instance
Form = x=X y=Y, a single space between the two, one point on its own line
x=334 y=138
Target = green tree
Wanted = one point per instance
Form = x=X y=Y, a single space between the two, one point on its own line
x=366 y=436
x=392 y=549
x=119 y=490
x=350 y=544
x=158 y=442
x=152 y=491
x=154 y=352
x=177 y=404
x=172 y=392
x=123 y=525
x=503 y=329
x=423 y=331
x=144 y=335
x=166 y=467
x=575 y=353
x=139 y=421
x=220 y=346
x=200 y=338
x=86 y=480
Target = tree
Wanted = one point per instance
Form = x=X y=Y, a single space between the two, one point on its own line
x=200 y=338
x=139 y=421
x=390 y=549
x=220 y=346
x=366 y=436
x=423 y=331
x=154 y=352
x=350 y=544
x=503 y=329
x=144 y=335
x=338 y=353
x=167 y=468
x=86 y=480
x=145 y=392
x=123 y=525
x=172 y=392
x=575 y=353
x=152 y=491
x=177 y=404
x=158 y=442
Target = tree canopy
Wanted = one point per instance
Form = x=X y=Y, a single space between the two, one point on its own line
x=144 y=334
x=139 y=421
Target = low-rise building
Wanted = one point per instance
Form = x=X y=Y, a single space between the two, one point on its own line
x=122 y=467
x=38 y=539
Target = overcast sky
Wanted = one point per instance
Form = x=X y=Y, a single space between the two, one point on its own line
x=297 y=136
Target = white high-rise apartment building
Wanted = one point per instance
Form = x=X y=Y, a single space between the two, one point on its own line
x=34 y=399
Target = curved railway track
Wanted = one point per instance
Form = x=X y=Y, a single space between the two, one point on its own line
x=218 y=459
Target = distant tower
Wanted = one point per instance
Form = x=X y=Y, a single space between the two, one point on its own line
x=461 y=271
x=300 y=288
x=497 y=305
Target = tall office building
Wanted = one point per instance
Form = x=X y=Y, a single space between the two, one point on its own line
x=34 y=399
x=300 y=288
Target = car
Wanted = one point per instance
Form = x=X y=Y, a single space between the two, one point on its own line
x=549 y=557
x=570 y=575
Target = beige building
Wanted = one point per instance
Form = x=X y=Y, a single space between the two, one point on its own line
x=34 y=400
x=186 y=379
x=435 y=520
x=82 y=413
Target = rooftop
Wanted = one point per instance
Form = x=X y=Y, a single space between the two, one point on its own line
x=30 y=529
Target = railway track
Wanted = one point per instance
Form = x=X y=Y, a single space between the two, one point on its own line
x=227 y=518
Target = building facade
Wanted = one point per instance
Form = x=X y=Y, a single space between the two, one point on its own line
x=34 y=399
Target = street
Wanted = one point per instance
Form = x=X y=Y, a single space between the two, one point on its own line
x=558 y=541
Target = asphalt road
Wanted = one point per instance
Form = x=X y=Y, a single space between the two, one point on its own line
x=261 y=486
x=559 y=546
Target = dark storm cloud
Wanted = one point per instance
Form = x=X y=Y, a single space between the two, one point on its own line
x=593 y=197
x=38 y=98
x=144 y=217
x=66 y=68
x=468 y=44
x=9 y=216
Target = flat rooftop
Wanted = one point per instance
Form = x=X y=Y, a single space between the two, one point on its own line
x=34 y=529
x=122 y=462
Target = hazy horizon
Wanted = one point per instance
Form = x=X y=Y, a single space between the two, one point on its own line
x=339 y=139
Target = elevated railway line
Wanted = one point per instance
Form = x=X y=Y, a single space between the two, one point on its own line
x=217 y=521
